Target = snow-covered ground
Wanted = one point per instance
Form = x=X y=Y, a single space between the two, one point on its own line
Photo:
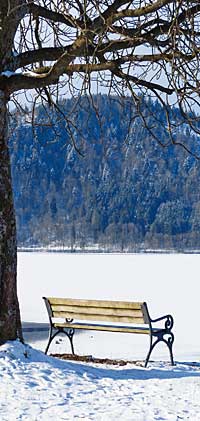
x=35 y=387
x=169 y=283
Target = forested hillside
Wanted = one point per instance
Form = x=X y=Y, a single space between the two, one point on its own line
x=121 y=192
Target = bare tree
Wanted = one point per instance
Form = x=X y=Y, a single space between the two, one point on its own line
x=146 y=47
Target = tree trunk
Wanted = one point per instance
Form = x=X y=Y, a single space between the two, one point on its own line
x=10 y=323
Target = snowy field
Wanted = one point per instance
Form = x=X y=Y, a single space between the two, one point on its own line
x=169 y=284
x=36 y=387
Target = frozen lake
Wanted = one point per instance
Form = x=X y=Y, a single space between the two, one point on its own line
x=168 y=282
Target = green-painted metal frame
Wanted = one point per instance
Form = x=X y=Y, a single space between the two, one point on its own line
x=164 y=334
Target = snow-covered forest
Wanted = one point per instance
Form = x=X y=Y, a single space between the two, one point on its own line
x=121 y=191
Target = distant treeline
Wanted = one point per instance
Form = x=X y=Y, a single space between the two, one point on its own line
x=100 y=179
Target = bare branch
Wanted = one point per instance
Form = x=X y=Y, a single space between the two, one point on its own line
x=145 y=45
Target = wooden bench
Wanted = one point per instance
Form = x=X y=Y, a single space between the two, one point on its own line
x=68 y=314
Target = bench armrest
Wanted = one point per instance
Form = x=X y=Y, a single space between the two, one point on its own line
x=169 y=321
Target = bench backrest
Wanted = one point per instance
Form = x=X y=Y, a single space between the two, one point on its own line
x=97 y=310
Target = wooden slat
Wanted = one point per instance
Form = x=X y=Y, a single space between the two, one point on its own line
x=145 y=313
x=97 y=310
x=122 y=329
x=95 y=303
x=109 y=318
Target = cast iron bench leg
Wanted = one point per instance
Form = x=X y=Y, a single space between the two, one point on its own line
x=60 y=330
x=160 y=338
x=51 y=337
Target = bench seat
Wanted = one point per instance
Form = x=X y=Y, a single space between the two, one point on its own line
x=107 y=327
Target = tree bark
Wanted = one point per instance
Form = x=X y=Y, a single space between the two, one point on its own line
x=10 y=323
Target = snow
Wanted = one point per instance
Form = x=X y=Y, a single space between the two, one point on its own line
x=7 y=73
x=36 y=387
x=169 y=283
x=33 y=74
